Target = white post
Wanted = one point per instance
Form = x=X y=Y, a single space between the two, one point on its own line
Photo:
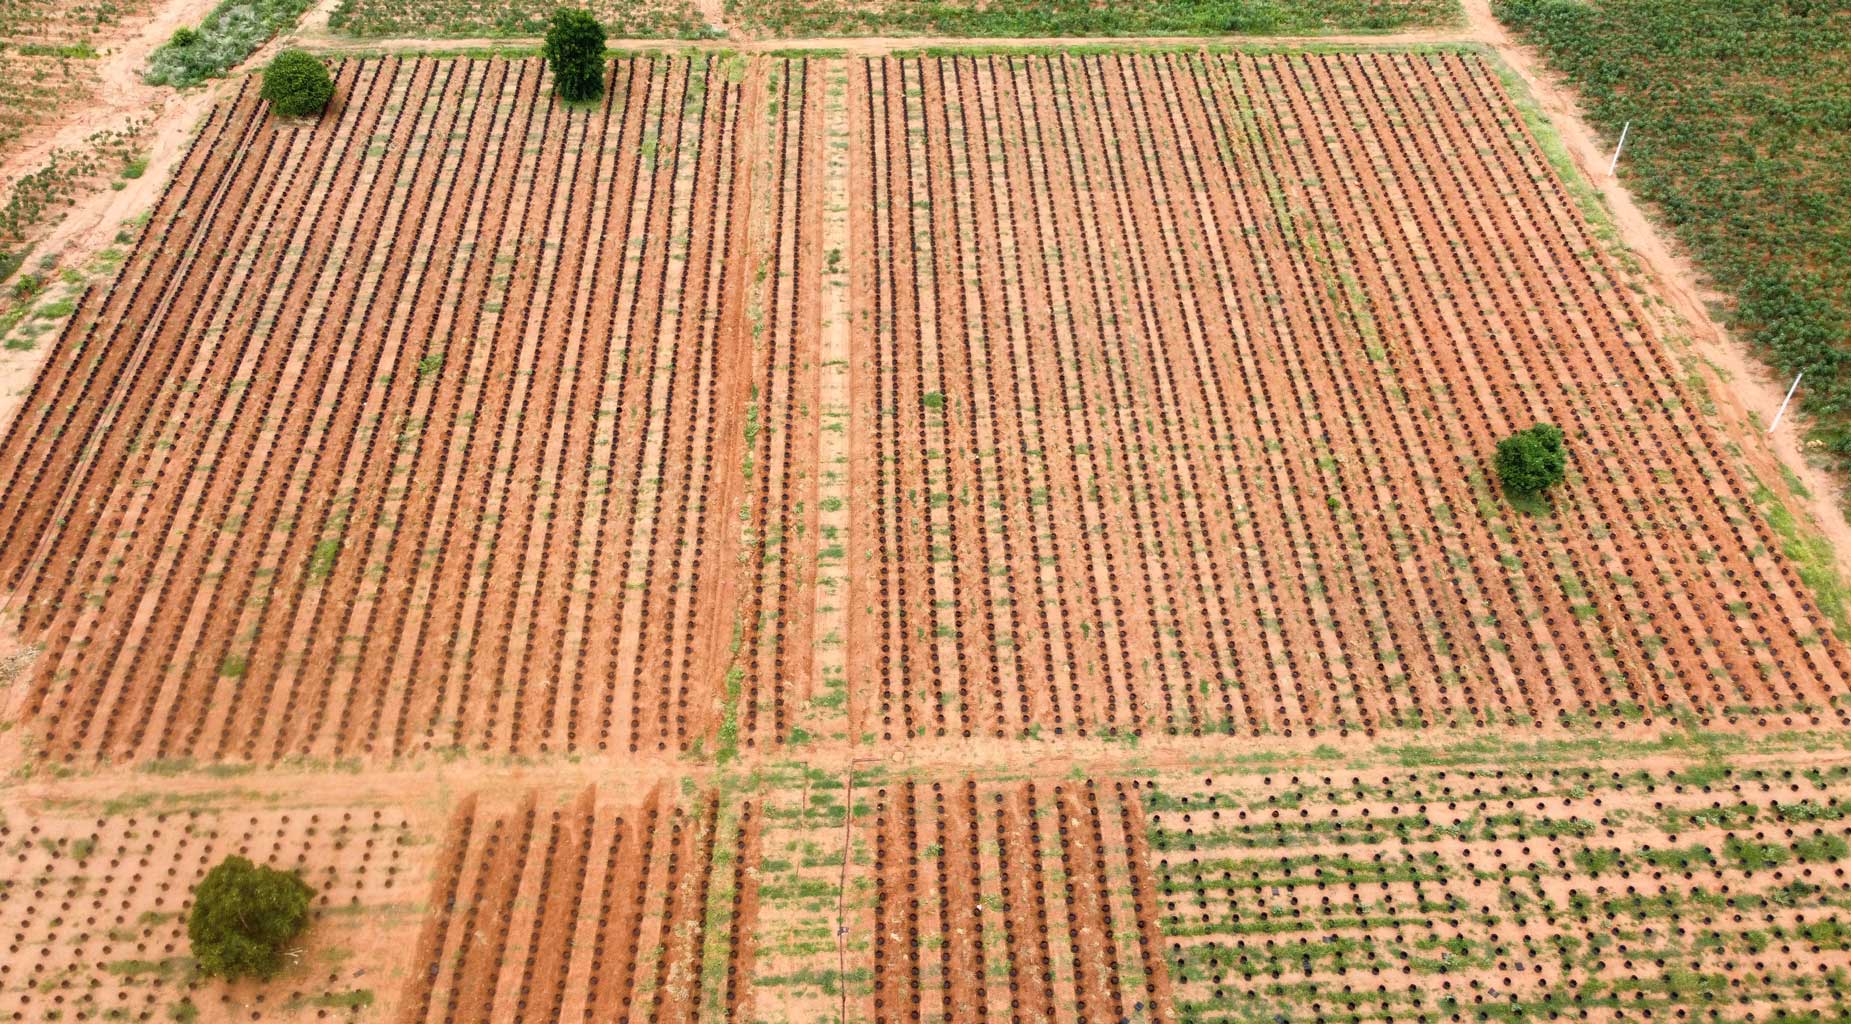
x=1615 y=162
x=1784 y=401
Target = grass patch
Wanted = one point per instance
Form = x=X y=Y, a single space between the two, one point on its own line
x=357 y=999
x=727 y=747
x=632 y=19
x=1015 y=18
x=1812 y=557
x=321 y=560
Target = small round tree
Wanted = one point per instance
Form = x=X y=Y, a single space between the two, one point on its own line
x=1531 y=461
x=297 y=85
x=575 y=51
x=243 y=916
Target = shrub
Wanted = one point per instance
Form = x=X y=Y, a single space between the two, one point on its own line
x=1531 y=461
x=243 y=915
x=575 y=51
x=184 y=36
x=297 y=85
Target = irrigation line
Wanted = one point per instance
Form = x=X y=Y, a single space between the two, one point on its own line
x=1785 y=401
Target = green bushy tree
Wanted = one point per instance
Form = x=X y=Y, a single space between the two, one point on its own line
x=243 y=916
x=297 y=85
x=575 y=51
x=1531 y=461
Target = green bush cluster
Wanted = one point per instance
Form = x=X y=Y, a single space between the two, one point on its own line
x=1531 y=461
x=1741 y=135
x=575 y=51
x=297 y=84
x=244 y=916
x=457 y=19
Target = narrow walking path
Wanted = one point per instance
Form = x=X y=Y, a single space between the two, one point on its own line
x=832 y=463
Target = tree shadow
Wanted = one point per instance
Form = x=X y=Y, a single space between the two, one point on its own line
x=1528 y=502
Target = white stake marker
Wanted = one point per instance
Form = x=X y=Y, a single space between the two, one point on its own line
x=1784 y=401
x=1615 y=162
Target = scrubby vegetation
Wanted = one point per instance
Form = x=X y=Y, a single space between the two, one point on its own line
x=36 y=196
x=1741 y=135
x=1081 y=17
x=233 y=31
x=49 y=57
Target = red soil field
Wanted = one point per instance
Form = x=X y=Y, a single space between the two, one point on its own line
x=775 y=633
x=609 y=525
x=590 y=912
x=403 y=429
x=1027 y=901
x=462 y=420
x=1177 y=382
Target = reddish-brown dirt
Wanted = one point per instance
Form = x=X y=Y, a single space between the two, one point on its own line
x=1183 y=374
x=495 y=462
x=1172 y=384
x=382 y=453
x=95 y=899
x=775 y=626
x=589 y=910
x=992 y=901
x=1537 y=878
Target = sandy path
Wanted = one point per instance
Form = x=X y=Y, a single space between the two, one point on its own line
x=713 y=12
